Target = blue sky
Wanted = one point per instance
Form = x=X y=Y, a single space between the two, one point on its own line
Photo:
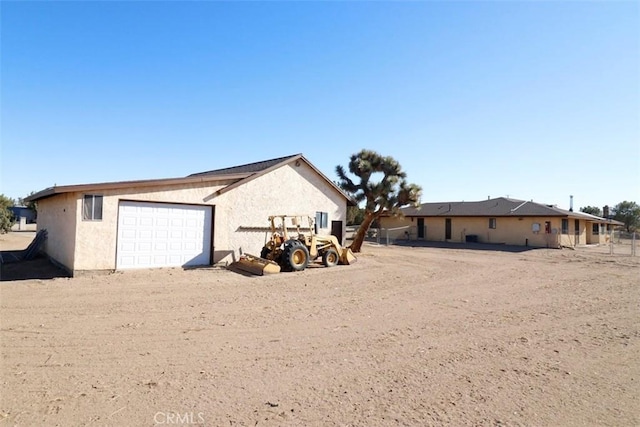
x=534 y=100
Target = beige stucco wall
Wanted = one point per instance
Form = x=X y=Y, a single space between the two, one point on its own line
x=509 y=230
x=594 y=239
x=242 y=214
x=91 y=245
x=96 y=240
x=572 y=238
x=57 y=215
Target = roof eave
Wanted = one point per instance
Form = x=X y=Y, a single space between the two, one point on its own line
x=52 y=191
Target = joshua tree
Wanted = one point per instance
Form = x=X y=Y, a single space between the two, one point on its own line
x=388 y=194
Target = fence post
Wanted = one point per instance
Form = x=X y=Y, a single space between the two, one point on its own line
x=611 y=241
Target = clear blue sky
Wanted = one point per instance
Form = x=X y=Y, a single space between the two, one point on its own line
x=535 y=100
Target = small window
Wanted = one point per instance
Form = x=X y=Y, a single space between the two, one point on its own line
x=595 y=229
x=92 y=208
x=492 y=223
x=322 y=219
x=565 y=226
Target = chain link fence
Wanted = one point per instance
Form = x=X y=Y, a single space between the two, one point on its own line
x=623 y=243
x=618 y=242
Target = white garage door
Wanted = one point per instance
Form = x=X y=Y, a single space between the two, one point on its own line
x=162 y=235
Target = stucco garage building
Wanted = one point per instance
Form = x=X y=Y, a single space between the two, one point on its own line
x=201 y=219
x=500 y=220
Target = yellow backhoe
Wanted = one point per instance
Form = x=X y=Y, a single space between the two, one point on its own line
x=291 y=249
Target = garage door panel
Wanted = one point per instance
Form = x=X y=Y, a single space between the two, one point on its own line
x=129 y=246
x=145 y=246
x=175 y=259
x=126 y=261
x=145 y=222
x=163 y=235
x=145 y=234
x=129 y=220
x=129 y=234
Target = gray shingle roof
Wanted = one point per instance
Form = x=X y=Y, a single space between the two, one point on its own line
x=249 y=168
x=501 y=206
x=235 y=176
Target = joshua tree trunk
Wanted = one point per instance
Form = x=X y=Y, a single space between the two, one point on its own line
x=362 y=231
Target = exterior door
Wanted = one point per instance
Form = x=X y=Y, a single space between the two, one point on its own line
x=447 y=229
x=420 y=228
x=336 y=230
x=576 y=226
x=163 y=235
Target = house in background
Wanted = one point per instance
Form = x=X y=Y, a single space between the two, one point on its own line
x=501 y=220
x=201 y=219
x=25 y=218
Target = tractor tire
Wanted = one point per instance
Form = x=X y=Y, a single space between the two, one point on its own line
x=295 y=256
x=330 y=258
x=264 y=252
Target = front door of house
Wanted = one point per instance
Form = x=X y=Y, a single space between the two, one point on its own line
x=336 y=230
x=447 y=229
x=420 y=228
x=576 y=226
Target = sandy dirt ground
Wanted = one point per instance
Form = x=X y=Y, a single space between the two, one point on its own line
x=407 y=336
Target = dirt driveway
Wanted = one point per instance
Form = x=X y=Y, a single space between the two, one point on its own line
x=406 y=336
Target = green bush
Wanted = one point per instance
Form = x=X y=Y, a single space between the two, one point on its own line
x=6 y=217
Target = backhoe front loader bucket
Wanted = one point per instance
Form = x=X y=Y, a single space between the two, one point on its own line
x=347 y=257
x=256 y=265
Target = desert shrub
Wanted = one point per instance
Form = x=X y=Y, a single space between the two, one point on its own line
x=6 y=217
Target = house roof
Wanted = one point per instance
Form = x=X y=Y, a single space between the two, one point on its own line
x=255 y=170
x=249 y=168
x=499 y=207
x=52 y=191
x=232 y=177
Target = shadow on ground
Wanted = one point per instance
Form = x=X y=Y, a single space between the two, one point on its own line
x=37 y=268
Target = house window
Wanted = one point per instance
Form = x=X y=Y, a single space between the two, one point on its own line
x=322 y=219
x=595 y=228
x=565 y=226
x=492 y=223
x=92 y=207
